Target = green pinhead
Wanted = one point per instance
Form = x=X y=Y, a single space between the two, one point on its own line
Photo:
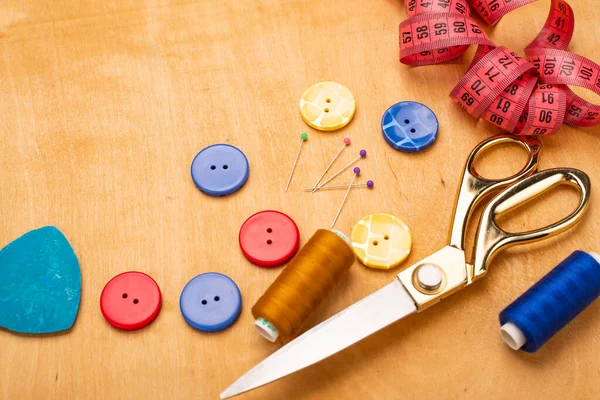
x=304 y=137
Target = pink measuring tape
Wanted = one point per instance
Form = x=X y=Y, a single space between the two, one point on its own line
x=523 y=96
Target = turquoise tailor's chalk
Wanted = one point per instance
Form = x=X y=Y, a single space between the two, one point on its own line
x=40 y=283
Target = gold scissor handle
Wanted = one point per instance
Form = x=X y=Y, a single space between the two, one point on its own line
x=474 y=187
x=491 y=239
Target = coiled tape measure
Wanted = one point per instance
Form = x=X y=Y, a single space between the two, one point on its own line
x=522 y=96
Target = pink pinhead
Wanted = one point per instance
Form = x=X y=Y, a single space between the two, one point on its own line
x=357 y=170
x=347 y=141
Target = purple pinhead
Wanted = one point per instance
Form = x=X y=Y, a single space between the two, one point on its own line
x=363 y=153
x=347 y=141
x=357 y=170
x=370 y=184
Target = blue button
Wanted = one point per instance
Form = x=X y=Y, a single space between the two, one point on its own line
x=220 y=170
x=409 y=126
x=210 y=302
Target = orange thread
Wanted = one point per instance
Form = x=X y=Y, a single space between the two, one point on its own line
x=304 y=283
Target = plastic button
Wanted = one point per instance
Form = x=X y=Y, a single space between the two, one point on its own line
x=381 y=241
x=220 y=170
x=131 y=301
x=327 y=106
x=409 y=126
x=269 y=238
x=210 y=302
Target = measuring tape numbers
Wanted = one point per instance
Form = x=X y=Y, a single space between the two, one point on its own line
x=525 y=96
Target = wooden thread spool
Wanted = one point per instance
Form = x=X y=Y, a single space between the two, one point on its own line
x=302 y=286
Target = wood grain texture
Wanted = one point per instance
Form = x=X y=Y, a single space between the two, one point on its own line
x=104 y=105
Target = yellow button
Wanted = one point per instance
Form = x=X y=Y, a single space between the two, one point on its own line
x=327 y=106
x=381 y=241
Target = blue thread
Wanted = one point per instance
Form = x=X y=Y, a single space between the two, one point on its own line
x=555 y=300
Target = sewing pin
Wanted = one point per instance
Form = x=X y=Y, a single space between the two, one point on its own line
x=346 y=143
x=362 y=154
x=303 y=138
x=369 y=185
x=356 y=173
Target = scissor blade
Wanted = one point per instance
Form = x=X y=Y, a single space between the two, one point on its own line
x=374 y=312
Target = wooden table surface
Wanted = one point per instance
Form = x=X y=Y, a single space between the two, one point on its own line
x=104 y=105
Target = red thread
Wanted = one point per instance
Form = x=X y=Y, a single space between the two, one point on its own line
x=523 y=96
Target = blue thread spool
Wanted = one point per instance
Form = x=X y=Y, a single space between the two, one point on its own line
x=553 y=302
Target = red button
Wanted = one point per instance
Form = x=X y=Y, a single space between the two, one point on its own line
x=269 y=238
x=130 y=301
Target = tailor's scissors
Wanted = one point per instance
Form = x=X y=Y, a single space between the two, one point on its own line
x=437 y=276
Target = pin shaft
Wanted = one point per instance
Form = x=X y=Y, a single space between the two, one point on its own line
x=294 y=167
x=337 y=173
x=330 y=164
x=356 y=185
x=343 y=201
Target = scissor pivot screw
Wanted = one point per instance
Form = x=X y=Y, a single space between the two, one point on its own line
x=429 y=277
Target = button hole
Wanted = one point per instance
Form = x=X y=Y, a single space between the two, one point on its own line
x=269 y=241
x=375 y=242
x=135 y=301
x=204 y=302
x=413 y=130
x=407 y=121
x=326 y=110
x=386 y=237
x=328 y=100
x=124 y=295
x=213 y=167
x=217 y=298
x=269 y=230
x=225 y=166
